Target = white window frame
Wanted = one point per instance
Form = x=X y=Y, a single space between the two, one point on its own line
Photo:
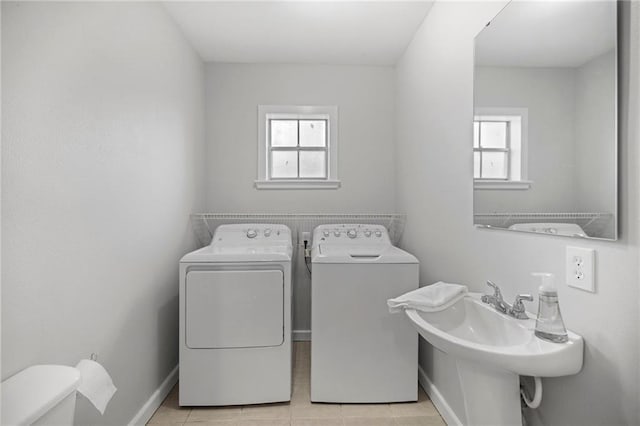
x=297 y=112
x=519 y=181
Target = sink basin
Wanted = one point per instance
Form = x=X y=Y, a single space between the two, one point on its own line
x=474 y=330
x=491 y=351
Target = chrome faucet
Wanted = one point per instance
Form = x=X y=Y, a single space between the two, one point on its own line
x=496 y=299
x=516 y=310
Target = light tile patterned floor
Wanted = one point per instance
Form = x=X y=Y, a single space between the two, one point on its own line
x=300 y=411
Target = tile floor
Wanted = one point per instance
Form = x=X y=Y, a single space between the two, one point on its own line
x=300 y=411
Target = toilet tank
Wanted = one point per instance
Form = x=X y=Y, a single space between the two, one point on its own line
x=40 y=395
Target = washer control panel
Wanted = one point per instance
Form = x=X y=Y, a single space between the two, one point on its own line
x=351 y=234
x=252 y=232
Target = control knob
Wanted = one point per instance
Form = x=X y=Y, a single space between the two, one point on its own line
x=267 y=232
x=367 y=233
x=326 y=233
x=351 y=233
x=378 y=233
x=252 y=233
x=336 y=232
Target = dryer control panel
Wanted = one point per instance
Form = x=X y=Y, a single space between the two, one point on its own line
x=360 y=234
x=251 y=233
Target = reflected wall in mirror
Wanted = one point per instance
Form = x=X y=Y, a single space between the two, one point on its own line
x=545 y=119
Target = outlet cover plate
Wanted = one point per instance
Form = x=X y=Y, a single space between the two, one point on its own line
x=580 y=267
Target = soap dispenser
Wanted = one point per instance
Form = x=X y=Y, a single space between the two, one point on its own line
x=549 y=324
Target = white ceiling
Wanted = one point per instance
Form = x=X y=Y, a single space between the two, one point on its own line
x=548 y=34
x=308 y=32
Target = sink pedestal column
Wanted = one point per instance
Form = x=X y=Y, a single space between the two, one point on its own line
x=491 y=396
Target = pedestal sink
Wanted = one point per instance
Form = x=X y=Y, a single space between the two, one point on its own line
x=492 y=350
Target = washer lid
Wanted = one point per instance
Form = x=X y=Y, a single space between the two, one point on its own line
x=360 y=254
x=29 y=394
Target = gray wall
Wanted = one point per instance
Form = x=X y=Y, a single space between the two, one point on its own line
x=434 y=110
x=102 y=147
x=365 y=98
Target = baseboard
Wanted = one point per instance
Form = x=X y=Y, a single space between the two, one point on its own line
x=142 y=417
x=301 y=335
x=438 y=400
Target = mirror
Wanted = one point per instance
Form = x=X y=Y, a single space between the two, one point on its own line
x=545 y=119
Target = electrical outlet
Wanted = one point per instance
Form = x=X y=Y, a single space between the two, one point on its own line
x=581 y=268
x=306 y=236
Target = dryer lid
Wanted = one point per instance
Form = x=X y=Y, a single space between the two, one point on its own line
x=261 y=242
x=240 y=253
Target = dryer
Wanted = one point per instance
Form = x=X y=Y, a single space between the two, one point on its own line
x=360 y=353
x=235 y=318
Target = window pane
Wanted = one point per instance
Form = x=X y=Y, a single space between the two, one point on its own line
x=494 y=165
x=476 y=165
x=313 y=132
x=476 y=134
x=313 y=164
x=284 y=132
x=494 y=134
x=284 y=164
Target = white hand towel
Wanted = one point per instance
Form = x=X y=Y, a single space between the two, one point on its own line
x=432 y=298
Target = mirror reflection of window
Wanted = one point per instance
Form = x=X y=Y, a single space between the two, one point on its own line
x=498 y=144
x=491 y=149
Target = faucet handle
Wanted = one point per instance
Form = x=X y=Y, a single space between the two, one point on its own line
x=517 y=310
x=521 y=297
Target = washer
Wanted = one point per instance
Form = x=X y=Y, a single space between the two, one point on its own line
x=360 y=353
x=235 y=318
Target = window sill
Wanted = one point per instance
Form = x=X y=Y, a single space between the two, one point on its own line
x=502 y=184
x=297 y=184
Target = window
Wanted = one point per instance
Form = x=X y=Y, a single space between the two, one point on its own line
x=297 y=147
x=499 y=148
x=491 y=148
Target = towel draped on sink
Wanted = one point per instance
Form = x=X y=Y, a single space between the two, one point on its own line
x=432 y=298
